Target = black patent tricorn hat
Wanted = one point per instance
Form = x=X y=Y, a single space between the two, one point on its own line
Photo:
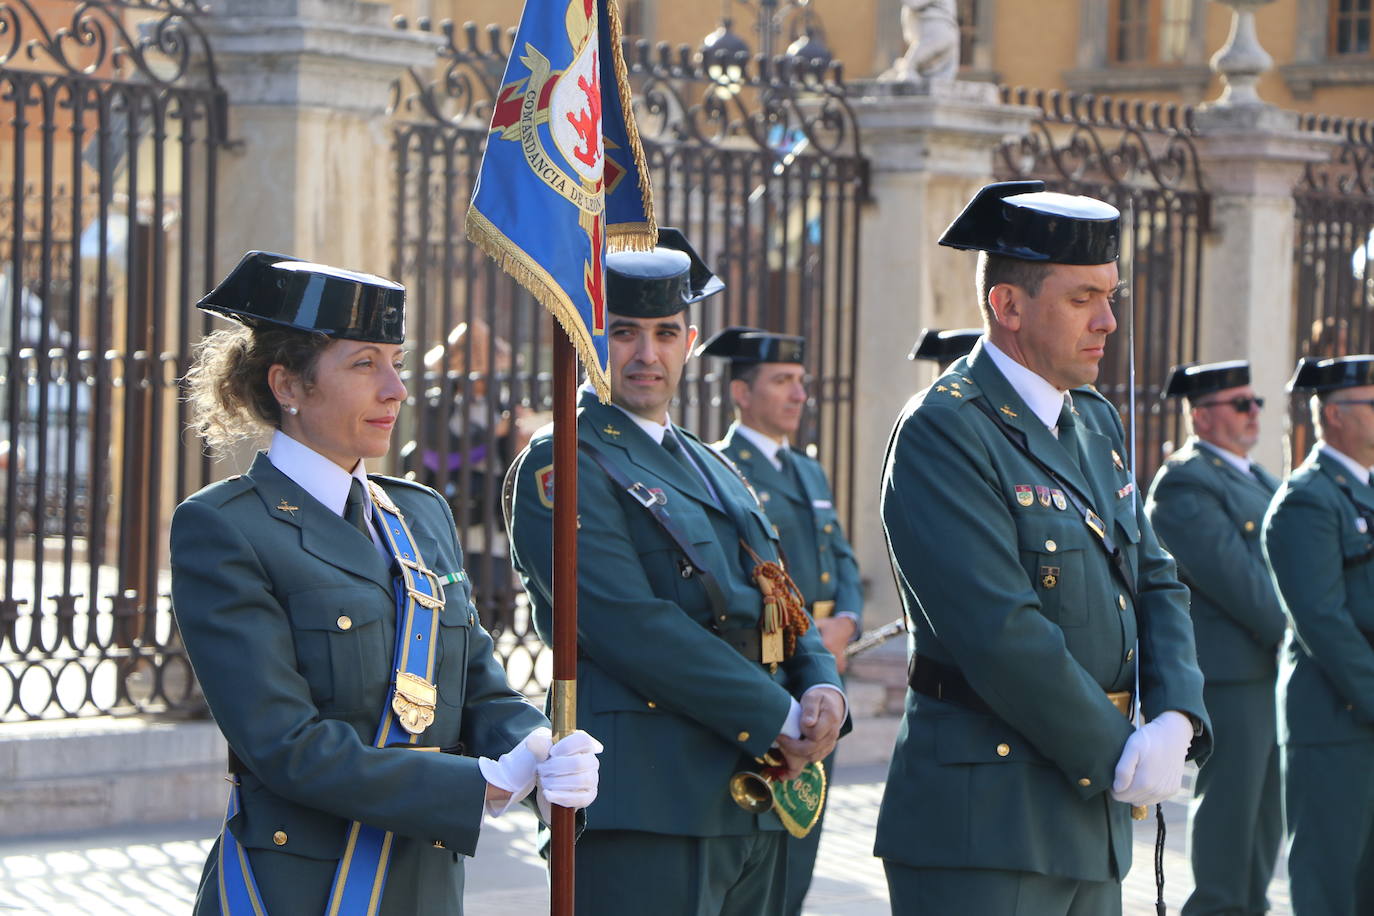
x=752 y=345
x=1195 y=379
x=658 y=283
x=1020 y=219
x=1330 y=374
x=282 y=290
x=944 y=346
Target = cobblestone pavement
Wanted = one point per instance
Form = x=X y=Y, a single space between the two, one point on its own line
x=155 y=870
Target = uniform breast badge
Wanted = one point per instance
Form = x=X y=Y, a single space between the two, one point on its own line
x=1049 y=576
x=414 y=702
x=1060 y=501
x=1025 y=496
x=1043 y=494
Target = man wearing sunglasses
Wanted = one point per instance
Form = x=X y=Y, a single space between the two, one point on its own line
x=1206 y=505
x=1319 y=543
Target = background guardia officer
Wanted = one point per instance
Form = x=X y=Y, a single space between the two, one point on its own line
x=944 y=347
x=1011 y=783
x=1319 y=541
x=1207 y=504
x=768 y=388
x=673 y=666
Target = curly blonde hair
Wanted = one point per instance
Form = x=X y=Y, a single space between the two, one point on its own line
x=227 y=383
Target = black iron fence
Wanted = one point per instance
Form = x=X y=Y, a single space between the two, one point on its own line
x=1141 y=158
x=1333 y=255
x=759 y=164
x=110 y=120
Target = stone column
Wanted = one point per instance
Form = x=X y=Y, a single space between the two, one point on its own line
x=308 y=82
x=1252 y=156
x=929 y=146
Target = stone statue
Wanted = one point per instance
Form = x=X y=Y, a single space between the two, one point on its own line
x=931 y=29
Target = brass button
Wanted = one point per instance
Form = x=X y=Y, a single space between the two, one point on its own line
x=1003 y=750
x=1349 y=707
x=279 y=838
x=1085 y=782
x=828 y=528
x=653 y=705
x=1130 y=654
x=825 y=577
x=723 y=617
x=1249 y=526
x=745 y=454
x=1051 y=546
x=743 y=736
x=345 y=622
x=1121 y=601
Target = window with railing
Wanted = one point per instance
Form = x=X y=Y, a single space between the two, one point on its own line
x=1350 y=28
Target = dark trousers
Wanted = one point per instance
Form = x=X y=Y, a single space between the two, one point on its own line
x=628 y=872
x=967 y=891
x=1329 y=801
x=1235 y=827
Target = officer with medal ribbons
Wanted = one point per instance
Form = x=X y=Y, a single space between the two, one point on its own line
x=768 y=389
x=1207 y=503
x=1037 y=594
x=696 y=655
x=1319 y=544
x=330 y=624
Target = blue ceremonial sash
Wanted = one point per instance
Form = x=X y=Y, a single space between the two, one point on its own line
x=360 y=879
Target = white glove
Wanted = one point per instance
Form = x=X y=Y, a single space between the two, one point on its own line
x=568 y=777
x=514 y=772
x=1151 y=765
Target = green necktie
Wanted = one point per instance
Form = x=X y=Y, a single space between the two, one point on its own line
x=1068 y=434
x=355 y=512
x=673 y=446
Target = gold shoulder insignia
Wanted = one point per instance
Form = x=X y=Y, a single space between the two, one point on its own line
x=610 y=430
x=284 y=506
x=380 y=498
x=956 y=393
x=941 y=388
x=1007 y=410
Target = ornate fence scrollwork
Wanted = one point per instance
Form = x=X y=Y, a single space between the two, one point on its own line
x=758 y=161
x=107 y=206
x=1141 y=157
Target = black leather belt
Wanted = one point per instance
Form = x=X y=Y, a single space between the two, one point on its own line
x=745 y=641
x=943 y=682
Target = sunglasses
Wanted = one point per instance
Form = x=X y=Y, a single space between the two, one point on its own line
x=1239 y=405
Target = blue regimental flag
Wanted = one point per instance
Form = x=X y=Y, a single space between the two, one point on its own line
x=563 y=175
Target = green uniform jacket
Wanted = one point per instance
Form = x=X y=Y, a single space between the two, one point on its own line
x=677 y=708
x=1208 y=515
x=1312 y=528
x=288 y=616
x=819 y=558
x=1016 y=593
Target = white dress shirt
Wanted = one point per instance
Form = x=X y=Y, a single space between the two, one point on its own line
x=1044 y=400
x=322 y=479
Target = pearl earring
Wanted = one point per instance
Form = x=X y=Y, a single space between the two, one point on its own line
x=292 y=409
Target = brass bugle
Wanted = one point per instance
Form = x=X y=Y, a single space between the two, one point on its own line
x=752 y=791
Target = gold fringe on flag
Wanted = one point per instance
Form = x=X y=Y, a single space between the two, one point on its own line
x=527 y=272
x=630 y=236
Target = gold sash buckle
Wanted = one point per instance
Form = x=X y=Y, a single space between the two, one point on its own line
x=414 y=701
x=1122 y=700
x=822 y=609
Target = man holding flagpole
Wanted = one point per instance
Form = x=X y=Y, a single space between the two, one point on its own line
x=562 y=182
x=695 y=656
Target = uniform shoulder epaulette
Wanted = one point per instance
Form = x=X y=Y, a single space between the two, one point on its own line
x=387 y=480
x=953 y=386
x=220 y=492
x=1091 y=392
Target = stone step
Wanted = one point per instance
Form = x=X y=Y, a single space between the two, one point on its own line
x=87 y=774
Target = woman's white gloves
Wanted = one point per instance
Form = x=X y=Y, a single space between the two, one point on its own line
x=568 y=776
x=566 y=772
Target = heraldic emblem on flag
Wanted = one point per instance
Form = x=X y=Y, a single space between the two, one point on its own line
x=563 y=175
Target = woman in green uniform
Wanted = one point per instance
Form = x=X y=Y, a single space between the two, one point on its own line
x=329 y=621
